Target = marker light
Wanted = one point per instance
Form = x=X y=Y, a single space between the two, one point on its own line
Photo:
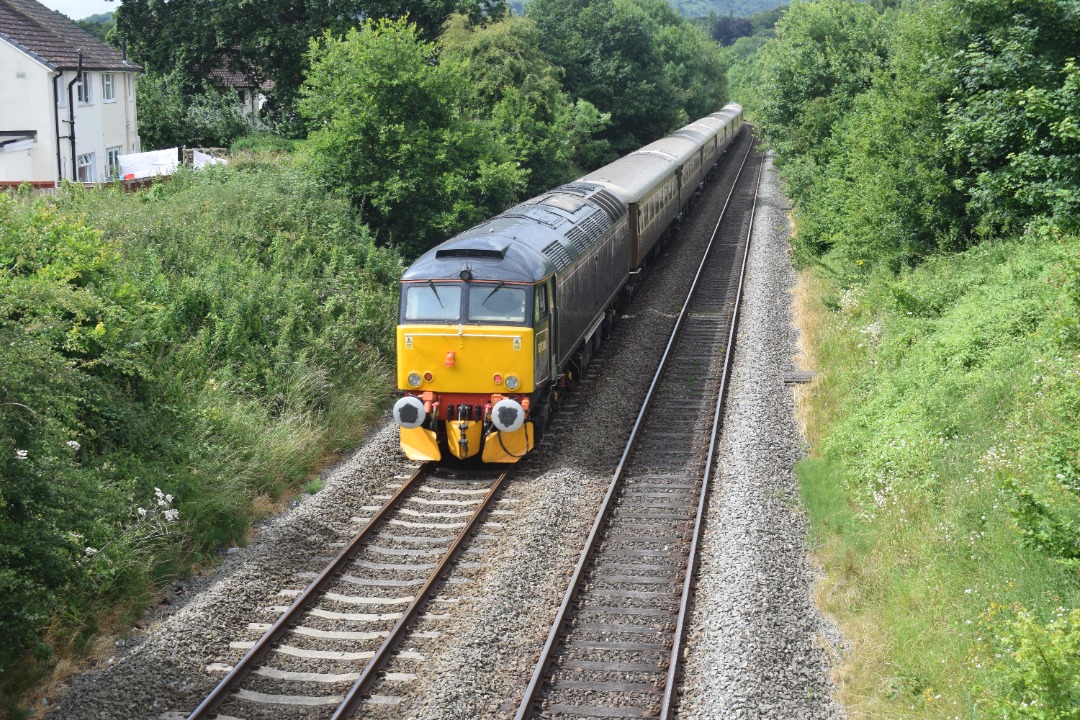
x=428 y=376
x=414 y=379
x=497 y=379
x=511 y=382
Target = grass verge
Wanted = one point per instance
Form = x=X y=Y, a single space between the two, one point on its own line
x=944 y=485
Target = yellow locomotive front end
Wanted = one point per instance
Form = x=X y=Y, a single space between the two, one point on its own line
x=466 y=354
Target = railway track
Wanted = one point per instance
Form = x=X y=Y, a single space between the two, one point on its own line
x=614 y=648
x=325 y=652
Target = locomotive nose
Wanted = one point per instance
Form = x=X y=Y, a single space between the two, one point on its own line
x=507 y=415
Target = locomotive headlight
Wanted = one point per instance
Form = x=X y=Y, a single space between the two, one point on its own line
x=512 y=382
x=415 y=379
x=507 y=415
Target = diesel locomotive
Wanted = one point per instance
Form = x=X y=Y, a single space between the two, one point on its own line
x=494 y=322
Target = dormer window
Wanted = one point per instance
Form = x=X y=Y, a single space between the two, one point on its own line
x=84 y=89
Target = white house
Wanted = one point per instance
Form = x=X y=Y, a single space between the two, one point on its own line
x=55 y=122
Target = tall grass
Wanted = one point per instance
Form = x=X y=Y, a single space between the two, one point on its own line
x=168 y=360
x=944 y=482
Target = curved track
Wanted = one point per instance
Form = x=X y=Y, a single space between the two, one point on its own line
x=326 y=649
x=614 y=648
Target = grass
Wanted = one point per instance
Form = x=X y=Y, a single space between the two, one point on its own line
x=945 y=409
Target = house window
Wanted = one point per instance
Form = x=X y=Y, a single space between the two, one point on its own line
x=86 y=167
x=112 y=162
x=135 y=146
x=84 y=89
x=130 y=86
x=108 y=93
x=61 y=92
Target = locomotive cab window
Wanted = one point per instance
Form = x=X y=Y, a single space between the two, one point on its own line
x=432 y=303
x=497 y=303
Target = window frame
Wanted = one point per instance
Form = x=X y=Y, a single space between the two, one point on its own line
x=84 y=89
x=112 y=169
x=85 y=162
x=108 y=87
x=463 y=317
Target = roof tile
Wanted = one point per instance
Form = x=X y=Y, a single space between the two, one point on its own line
x=54 y=38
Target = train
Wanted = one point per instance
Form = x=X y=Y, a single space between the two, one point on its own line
x=496 y=322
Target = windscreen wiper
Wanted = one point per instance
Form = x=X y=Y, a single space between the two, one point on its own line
x=495 y=290
x=429 y=282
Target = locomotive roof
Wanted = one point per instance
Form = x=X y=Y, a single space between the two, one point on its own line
x=634 y=176
x=528 y=242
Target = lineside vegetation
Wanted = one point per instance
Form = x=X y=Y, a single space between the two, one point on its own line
x=933 y=155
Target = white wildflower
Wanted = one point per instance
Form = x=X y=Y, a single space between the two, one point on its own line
x=90 y=552
x=172 y=515
x=161 y=502
x=142 y=512
x=20 y=454
x=168 y=498
x=74 y=445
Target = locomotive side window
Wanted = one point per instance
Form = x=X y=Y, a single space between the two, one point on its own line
x=497 y=303
x=541 y=305
x=431 y=302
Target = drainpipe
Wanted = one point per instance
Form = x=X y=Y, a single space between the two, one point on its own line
x=71 y=119
x=56 y=117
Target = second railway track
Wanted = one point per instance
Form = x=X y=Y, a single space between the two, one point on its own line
x=614 y=647
x=326 y=650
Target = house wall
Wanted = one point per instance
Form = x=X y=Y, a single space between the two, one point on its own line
x=26 y=104
x=100 y=124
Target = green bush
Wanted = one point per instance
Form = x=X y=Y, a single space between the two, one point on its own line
x=1039 y=675
x=166 y=357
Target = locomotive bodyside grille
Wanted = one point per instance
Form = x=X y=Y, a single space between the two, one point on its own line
x=558 y=255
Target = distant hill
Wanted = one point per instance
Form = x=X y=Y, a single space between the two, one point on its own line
x=738 y=8
x=97 y=25
x=697 y=8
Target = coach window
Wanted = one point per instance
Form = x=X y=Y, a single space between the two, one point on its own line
x=432 y=303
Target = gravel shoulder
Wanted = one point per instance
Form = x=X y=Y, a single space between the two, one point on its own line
x=756 y=647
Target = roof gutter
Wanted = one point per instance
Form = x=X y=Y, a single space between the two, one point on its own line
x=71 y=118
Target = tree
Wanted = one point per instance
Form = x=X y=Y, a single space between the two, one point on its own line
x=171 y=114
x=1014 y=107
x=727 y=29
x=824 y=54
x=264 y=40
x=396 y=131
x=547 y=132
x=607 y=48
